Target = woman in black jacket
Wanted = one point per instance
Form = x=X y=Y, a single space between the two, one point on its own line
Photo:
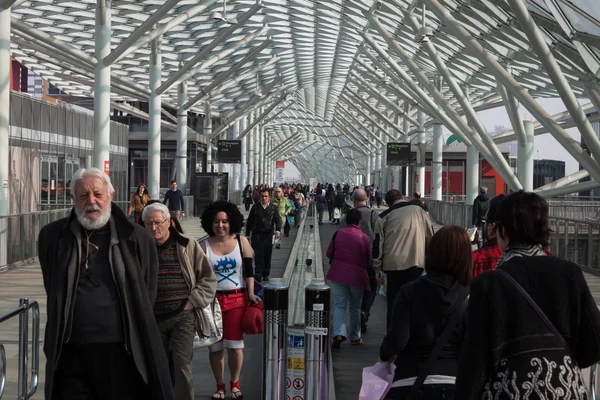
x=422 y=311
x=510 y=351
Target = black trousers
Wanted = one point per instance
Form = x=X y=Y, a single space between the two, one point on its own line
x=369 y=295
x=395 y=280
x=427 y=392
x=263 y=249
x=97 y=372
x=286 y=227
x=320 y=213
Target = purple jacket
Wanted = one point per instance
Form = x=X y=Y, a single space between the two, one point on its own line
x=352 y=255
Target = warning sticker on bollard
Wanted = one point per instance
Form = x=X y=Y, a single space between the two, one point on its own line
x=295 y=364
x=310 y=330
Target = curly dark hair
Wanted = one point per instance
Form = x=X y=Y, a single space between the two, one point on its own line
x=236 y=219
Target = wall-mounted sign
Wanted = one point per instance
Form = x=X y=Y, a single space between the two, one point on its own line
x=398 y=154
x=229 y=151
x=280 y=164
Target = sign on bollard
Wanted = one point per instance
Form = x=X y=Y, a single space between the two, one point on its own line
x=274 y=339
x=295 y=365
x=316 y=340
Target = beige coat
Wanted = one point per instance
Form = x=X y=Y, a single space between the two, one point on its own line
x=402 y=234
x=199 y=276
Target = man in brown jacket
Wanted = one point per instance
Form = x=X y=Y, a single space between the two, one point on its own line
x=186 y=282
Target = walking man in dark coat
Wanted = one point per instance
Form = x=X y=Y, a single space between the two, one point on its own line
x=100 y=276
x=263 y=221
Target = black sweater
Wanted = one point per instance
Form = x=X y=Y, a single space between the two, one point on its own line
x=421 y=311
x=262 y=220
x=506 y=337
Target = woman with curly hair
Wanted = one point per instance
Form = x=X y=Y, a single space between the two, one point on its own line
x=231 y=257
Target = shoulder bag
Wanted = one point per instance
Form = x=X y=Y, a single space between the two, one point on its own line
x=210 y=319
x=439 y=345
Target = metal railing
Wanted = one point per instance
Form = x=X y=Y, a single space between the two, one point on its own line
x=24 y=390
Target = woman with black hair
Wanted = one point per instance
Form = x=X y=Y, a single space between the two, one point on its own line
x=532 y=323
x=231 y=257
x=138 y=202
x=247 y=197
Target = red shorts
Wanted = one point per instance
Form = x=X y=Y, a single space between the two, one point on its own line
x=233 y=307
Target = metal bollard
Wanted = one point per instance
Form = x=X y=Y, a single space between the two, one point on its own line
x=275 y=339
x=316 y=340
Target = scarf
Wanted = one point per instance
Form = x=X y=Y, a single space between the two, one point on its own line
x=520 y=250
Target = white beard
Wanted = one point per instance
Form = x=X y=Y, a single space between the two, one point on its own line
x=91 y=224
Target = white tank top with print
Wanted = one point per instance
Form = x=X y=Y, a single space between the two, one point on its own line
x=228 y=268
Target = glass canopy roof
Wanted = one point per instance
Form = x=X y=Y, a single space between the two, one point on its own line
x=342 y=99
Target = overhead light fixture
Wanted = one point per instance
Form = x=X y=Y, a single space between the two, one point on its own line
x=223 y=16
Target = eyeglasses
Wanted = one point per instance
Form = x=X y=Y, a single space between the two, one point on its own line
x=154 y=224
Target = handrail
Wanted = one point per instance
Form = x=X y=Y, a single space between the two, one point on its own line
x=22 y=311
x=593 y=374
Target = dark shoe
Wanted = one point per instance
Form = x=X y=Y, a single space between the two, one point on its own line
x=356 y=342
x=265 y=278
x=337 y=341
x=278 y=246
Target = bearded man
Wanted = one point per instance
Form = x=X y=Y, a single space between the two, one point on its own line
x=100 y=275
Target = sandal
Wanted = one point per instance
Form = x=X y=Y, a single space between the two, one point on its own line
x=220 y=393
x=237 y=395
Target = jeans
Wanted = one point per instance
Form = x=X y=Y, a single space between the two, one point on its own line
x=395 y=280
x=346 y=296
x=177 y=335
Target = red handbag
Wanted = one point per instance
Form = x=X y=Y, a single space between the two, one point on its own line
x=252 y=323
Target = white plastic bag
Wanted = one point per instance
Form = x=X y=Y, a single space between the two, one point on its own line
x=376 y=381
x=337 y=213
x=212 y=315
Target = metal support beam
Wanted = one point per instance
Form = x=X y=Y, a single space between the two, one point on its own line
x=230 y=119
x=192 y=68
x=525 y=158
x=250 y=156
x=5 y=22
x=493 y=66
x=154 y=131
x=574 y=188
x=351 y=105
x=205 y=92
x=512 y=109
x=181 y=156
x=235 y=168
x=359 y=124
x=167 y=26
x=421 y=152
x=140 y=31
x=263 y=116
x=101 y=159
x=208 y=132
x=472 y=174
x=243 y=162
x=537 y=41
x=363 y=84
x=436 y=165
x=567 y=180
x=376 y=112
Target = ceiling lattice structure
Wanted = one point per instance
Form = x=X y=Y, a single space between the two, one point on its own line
x=343 y=97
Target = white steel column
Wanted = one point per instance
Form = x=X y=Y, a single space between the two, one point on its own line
x=4 y=123
x=154 y=121
x=101 y=86
x=385 y=171
x=368 y=172
x=525 y=158
x=182 y=120
x=250 y=179
x=261 y=153
x=242 y=181
x=235 y=168
x=256 y=154
x=420 y=185
x=436 y=165
x=472 y=173
x=207 y=132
